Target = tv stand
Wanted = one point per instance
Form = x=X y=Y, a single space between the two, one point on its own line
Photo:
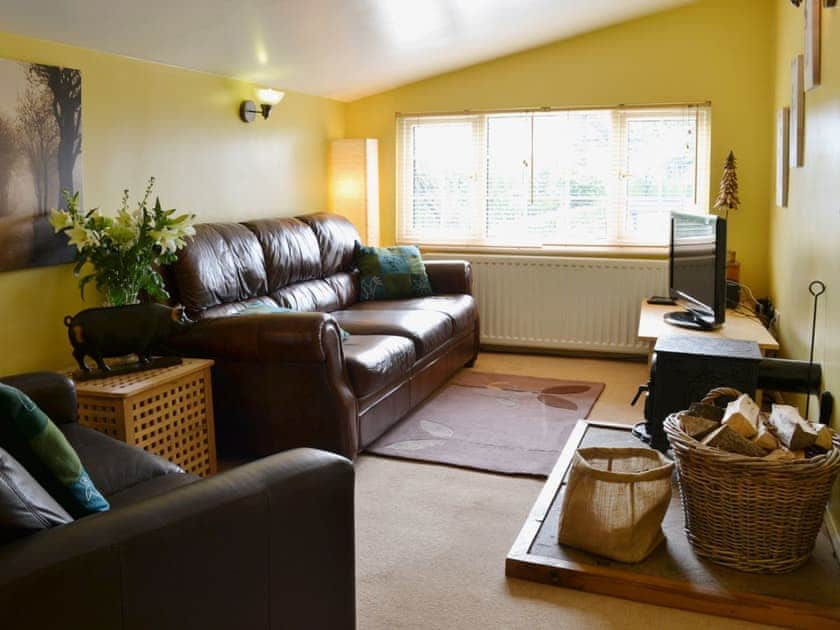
x=687 y=319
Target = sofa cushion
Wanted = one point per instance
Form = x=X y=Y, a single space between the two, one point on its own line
x=223 y=263
x=460 y=308
x=25 y=507
x=271 y=309
x=113 y=465
x=428 y=330
x=391 y=273
x=346 y=287
x=39 y=445
x=336 y=238
x=237 y=308
x=290 y=249
x=312 y=295
x=374 y=361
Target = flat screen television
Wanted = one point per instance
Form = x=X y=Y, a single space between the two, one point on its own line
x=698 y=271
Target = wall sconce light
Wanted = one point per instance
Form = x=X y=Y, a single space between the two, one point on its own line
x=268 y=98
x=354 y=184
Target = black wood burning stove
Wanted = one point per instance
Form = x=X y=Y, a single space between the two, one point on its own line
x=684 y=368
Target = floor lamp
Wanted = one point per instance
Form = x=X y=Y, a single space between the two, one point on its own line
x=354 y=184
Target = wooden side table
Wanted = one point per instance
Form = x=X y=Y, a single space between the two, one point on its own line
x=166 y=411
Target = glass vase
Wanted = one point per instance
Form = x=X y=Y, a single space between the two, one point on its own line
x=121 y=295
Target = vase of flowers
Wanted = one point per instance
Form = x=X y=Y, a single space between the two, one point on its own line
x=124 y=251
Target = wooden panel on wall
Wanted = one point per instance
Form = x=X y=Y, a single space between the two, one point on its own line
x=782 y=157
x=812 y=43
x=797 y=111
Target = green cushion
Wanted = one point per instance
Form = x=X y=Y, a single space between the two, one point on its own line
x=36 y=442
x=388 y=273
x=257 y=308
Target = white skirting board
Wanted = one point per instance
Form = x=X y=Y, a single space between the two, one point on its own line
x=563 y=303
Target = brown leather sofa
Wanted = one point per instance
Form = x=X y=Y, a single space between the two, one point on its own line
x=268 y=545
x=287 y=380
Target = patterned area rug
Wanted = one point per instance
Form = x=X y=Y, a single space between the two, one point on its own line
x=501 y=423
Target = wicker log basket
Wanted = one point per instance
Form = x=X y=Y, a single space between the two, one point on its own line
x=749 y=513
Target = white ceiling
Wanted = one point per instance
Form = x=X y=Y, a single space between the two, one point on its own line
x=343 y=49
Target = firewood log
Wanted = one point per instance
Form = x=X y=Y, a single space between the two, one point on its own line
x=702 y=410
x=791 y=430
x=696 y=426
x=727 y=439
x=741 y=416
x=824 y=435
x=765 y=439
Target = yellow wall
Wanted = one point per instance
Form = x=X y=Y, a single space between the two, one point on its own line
x=718 y=50
x=805 y=235
x=141 y=119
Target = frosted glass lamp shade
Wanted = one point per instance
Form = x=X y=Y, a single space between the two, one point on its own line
x=354 y=184
x=269 y=96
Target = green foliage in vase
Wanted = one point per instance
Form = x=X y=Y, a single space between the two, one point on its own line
x=124 y=251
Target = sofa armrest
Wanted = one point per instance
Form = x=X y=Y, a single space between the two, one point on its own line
x=449 y=276
x=267 y=545
x=53 y=392
x=292 y=337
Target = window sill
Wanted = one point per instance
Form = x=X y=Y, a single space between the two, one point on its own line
x=639 y=251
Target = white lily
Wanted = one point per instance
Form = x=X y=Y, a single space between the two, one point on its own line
x=167 y=239
x=60 y=220
x=82 y=237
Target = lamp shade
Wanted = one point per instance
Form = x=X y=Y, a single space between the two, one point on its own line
x=269 y=96
x=354 y=184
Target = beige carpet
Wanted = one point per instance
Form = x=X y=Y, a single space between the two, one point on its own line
x=432 y=539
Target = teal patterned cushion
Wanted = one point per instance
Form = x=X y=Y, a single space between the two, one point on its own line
x=388 y=273
x=36 y=442
x=256 y=309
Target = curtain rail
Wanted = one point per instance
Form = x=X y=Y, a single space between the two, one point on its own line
x=537 y=110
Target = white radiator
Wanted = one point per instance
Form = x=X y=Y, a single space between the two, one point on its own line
x=584 y=304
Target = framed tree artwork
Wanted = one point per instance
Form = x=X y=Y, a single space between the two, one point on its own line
x=40 y=156
x=797 y=111
x=782 y=158
x=812 y=44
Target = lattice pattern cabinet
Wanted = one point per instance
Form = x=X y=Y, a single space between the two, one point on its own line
x=166 y=411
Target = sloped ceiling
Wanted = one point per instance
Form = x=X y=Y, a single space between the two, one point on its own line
x=343 y=49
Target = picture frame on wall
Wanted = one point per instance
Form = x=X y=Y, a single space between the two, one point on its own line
x=40 y=158
x=782 y=157
x=797 y=111
x=813 y=61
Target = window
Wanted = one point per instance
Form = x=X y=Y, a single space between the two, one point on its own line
x=607 y=177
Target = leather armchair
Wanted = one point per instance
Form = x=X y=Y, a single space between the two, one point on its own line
x=267 y=545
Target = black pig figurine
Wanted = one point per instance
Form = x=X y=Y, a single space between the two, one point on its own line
x=116 y=331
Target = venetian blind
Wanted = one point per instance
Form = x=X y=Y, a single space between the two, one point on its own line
x=572 y=177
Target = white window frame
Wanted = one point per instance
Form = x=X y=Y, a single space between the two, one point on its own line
x=617 y=238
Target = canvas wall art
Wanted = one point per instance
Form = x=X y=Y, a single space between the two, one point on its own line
x=40 y=156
